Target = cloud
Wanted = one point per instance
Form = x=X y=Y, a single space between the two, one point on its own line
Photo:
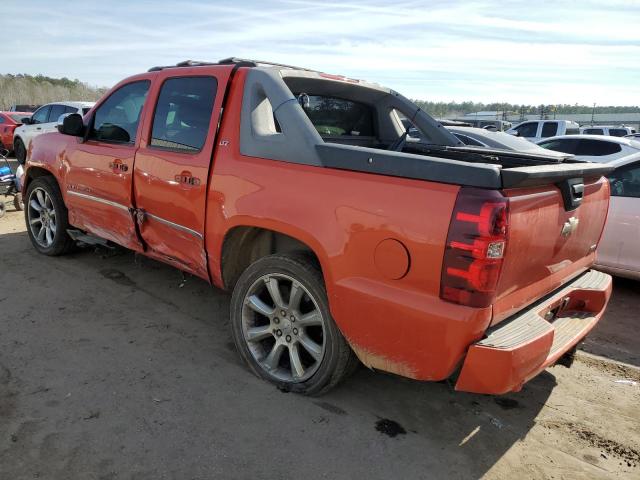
x=521 y=52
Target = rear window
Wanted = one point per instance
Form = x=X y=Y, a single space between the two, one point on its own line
x=561 y=145
x=18 y=118
x=468 y=140
x=336 y=116
x=597 y=148
x=593 y=131
x=55 y=112
x=617 y=132
x=549 y=129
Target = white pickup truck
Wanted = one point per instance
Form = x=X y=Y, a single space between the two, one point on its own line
x=537 y=129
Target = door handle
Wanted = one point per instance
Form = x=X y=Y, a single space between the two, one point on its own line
x=38 y=128
x=118 y=165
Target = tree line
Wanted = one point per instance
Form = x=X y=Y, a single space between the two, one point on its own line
x=39 y=89
x=447 y=109
x=23 y=89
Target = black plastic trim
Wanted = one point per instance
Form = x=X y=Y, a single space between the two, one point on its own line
x=395 y=164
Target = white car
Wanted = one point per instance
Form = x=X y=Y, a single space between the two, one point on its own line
x=594 y=148
x=537 y=129
x=619 y=131
x=619 y=248
x=44 y=120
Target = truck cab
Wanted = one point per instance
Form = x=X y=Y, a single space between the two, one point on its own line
x=535 y=130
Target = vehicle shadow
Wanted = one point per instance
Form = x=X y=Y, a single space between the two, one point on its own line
x=615 y=335
x=375 y=425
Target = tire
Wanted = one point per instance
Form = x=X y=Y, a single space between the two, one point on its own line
x=301 y=351
x=3 y=209
x=20 y=151
x=18 y=203
x=45 y=211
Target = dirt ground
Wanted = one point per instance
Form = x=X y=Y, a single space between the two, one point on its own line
x=114 y=367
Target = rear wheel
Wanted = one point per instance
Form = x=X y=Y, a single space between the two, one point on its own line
x=20 y=151
x=46 y=218
x=283 y=329
x=18 y=203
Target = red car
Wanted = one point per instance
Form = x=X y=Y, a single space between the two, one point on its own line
x=8 y=123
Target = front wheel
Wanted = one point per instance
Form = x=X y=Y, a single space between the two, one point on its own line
x=20 y=151
x=46 y=218
x=283 y=329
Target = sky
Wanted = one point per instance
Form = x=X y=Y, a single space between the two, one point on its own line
x=525 y=52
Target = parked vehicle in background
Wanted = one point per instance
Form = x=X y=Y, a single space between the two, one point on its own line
x=619 y=249
x=494 y=125
x=480 y=137
x=537 y=129
x=9 y=121
x=338 y=237
x=619 y=131
x=24 y=108
x=633 y=135
x=593 y=148
x=43 y=120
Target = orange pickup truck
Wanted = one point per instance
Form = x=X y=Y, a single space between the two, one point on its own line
x=342 y=237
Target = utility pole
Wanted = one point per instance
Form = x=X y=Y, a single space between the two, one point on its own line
x=593 y=112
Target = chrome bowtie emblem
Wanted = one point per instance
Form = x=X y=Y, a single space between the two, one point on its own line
x=570 y=226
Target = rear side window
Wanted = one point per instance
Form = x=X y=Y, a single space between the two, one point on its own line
x=335 y=116
x=572 y=131
x=183 y=113
x=597 y=148
x=528 y=129
x=593 y=131
x=56 y=111
x=625 y=181
x=617 y=132
x=41 y=115
x=116 y=120
x=549 y=129
x=561 y=145
x=70 y=109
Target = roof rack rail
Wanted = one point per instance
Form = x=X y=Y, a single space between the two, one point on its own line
x=227 y=61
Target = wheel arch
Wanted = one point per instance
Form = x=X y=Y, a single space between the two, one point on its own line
x=244 y=244
x=34 y=172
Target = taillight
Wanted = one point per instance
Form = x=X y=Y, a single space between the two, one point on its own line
x=475 y=248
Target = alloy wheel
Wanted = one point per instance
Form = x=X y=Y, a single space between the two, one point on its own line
x=283 y=327
x=42 y=217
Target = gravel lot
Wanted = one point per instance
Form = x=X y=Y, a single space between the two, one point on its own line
x=114 y=367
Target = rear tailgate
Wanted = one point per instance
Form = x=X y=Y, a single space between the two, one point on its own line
x=549 y=241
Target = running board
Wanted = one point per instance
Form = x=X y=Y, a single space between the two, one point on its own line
x=88 y=239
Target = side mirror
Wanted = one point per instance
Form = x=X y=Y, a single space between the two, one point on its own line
x=26 y=120
x=71 y=124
